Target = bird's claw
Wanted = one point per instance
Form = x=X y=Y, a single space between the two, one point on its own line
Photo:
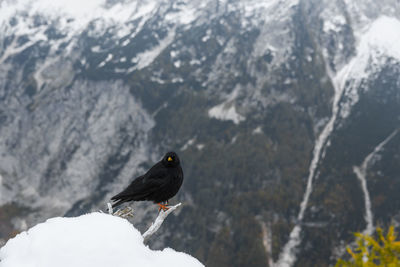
x=162 y=207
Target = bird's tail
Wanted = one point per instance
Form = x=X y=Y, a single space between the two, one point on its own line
x=119 y=202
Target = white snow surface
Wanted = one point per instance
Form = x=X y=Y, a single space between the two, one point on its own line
x=378 y=42
x=93 y=239
x=383 y=37
x=73 y=14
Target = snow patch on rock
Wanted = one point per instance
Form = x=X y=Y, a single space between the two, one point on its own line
x=379 y=42
x=226 y=113
x=146 y=58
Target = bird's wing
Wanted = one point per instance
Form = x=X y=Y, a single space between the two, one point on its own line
x=132 y=189
x=145 y=184
x=156 y=175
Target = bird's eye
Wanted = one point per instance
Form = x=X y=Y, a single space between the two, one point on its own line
x=169 y=159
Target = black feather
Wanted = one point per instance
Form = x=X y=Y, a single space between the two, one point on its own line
x=159 y=184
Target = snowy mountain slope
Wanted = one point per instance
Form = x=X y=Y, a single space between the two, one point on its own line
x=375 y=45
x=52 y=45
x=269 y=104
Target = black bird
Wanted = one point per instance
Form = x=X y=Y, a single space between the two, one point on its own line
x=158 y=184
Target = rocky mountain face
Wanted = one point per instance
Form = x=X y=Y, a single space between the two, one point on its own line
x=285 y=114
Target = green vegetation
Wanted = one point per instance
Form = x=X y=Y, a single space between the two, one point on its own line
x=374 y=251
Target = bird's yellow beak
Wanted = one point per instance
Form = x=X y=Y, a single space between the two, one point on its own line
x=169 y=159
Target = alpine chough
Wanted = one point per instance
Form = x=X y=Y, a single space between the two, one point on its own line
x=158 y=184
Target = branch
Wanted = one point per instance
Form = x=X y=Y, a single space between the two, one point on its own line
x=159 y=220
x=128 y=212
x=110 y=209
x=124 y=213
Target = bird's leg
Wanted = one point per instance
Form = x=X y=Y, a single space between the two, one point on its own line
x=162 y=206
x=166 y=204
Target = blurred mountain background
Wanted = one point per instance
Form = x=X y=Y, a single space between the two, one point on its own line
x=285 y=114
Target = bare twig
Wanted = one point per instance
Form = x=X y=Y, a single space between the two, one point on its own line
x=110 y=209
x=159 y=220
x=124 y=213
x=128 y=212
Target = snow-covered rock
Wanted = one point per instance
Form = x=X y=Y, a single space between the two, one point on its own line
x=93 y=239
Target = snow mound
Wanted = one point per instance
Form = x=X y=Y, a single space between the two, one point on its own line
x=93 y=239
